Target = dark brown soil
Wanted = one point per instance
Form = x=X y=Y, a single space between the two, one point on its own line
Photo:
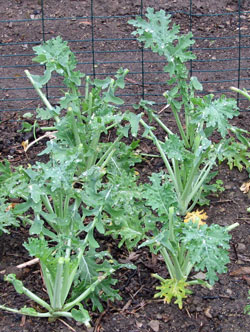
x=220 y=309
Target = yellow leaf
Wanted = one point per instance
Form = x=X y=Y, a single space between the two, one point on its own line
x=25 y=145
x=196 y=217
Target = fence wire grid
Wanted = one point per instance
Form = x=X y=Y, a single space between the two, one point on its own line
x=100 y=36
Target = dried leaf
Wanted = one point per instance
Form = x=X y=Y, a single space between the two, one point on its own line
x=247 y=279
x=245 y=187
x=155 y=325
x=199 y=275
x=25 y=145
x=207 y=313
x=10 y=207
x=133 y=256
x=84 y=22
x=240 y=271
x=138 y=324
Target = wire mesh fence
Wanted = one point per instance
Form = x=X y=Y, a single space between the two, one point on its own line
x=101 y=38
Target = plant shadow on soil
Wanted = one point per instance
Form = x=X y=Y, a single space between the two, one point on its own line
x=217 y=310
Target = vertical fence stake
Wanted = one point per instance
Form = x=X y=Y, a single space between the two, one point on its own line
x=239 y=50
x=43 y=34
x=190 y=29
x=142 y=60
x=92 y=38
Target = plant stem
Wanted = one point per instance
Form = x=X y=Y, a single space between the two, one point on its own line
x=93 y=150
x=162 y=153
x=178 y=122
x=170 y=266
x=242 y=92
x=36 y=298
x=57 y=304
x=35 y=314
x=156 y=118
x=41 y=94
x=81 y=297
x=231 y=227
x=74 y=128
x=171 y=224
x=108 y=153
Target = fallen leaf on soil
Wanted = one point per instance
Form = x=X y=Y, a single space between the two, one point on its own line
x=133 y=256
x=240 y=271
x=245 y=187
x=138 y=324
x=126 y=306
x=199 y=275
x=247 y=279
x=25 y=145
x=85 y=22
x=154 y=324
x=207 y=313
x=23 y=321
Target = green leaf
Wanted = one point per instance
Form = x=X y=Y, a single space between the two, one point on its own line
x=195 y=83
x=36 y=227
x=174 y=148
x=38 y=248
x=208 y=248
x=235 y=153
x=134 y=120
x=215 y=113
x=81 y=315
x=26 y=127
x=18 y=285
x=28 y=311
x=102 y=83
x=159 y=194
x=40 y=81
x=46 y=114
x=35 y=192
x=22 y=207
x=7 y=217
x=155 y=33
x=109 y=97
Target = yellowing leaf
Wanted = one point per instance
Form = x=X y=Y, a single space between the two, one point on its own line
x=25 y=145
x=10 y=207
x=196 y=217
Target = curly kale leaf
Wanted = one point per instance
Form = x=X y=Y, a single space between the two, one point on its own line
x=215 y=113
x=208 y=248
x=157 y=35
x=159 y=194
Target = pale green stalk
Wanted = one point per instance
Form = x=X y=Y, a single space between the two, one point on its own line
x=56 y=301
x=41 y=94
x=108 y=153
x=179 y=125
x=162 y=153
x=20 y=312
x=156 y=118
x=81 y=297
x=242 y=92
x=93 y=150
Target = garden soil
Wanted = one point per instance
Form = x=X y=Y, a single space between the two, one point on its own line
x=217 y=310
